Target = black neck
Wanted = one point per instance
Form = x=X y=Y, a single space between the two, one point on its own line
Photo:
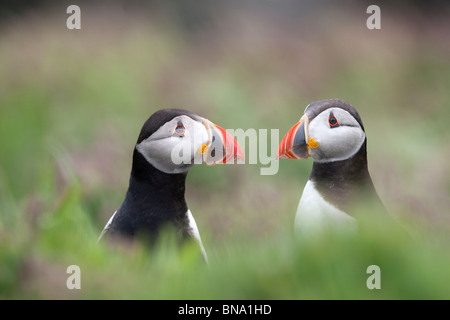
x=153 y=192
x=340 y=182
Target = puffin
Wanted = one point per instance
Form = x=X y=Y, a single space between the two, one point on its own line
x=170 y=143
x=332 y=133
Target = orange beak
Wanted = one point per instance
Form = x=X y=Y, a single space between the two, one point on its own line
x=222 y=147
x=296 y=143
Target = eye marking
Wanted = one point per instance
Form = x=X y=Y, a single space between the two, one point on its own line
x=180 y=129
x=332 y=121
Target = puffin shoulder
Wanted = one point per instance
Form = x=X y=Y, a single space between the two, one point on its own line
x=194 y=233
x=107 y=227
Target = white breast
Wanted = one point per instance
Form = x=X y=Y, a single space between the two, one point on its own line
x=195 y=234
x=314 y=214
x=106 y=228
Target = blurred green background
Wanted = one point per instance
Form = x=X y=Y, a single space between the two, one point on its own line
x=72 y=103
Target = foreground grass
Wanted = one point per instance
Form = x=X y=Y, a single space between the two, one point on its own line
x=279 y=267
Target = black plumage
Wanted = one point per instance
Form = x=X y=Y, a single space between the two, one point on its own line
x=344 y=183
x=154 y=199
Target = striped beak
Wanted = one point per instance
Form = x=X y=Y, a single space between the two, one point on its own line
x=296 y=143
x=221 y=146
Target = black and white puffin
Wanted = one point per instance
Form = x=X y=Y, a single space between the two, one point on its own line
x=171 y=142
x=332 y=133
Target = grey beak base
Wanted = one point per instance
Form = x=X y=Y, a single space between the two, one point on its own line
x=300 y=147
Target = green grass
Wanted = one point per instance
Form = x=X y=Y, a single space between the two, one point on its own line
x=277 y=267
x=72 y=105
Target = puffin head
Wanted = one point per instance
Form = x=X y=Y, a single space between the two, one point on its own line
x=174 y=140
x=329 y=130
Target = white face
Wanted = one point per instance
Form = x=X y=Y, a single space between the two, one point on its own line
x=174 y=148
x=338 y=134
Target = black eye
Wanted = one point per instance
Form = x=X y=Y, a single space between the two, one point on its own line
x=332 y=121
x=180 y=128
